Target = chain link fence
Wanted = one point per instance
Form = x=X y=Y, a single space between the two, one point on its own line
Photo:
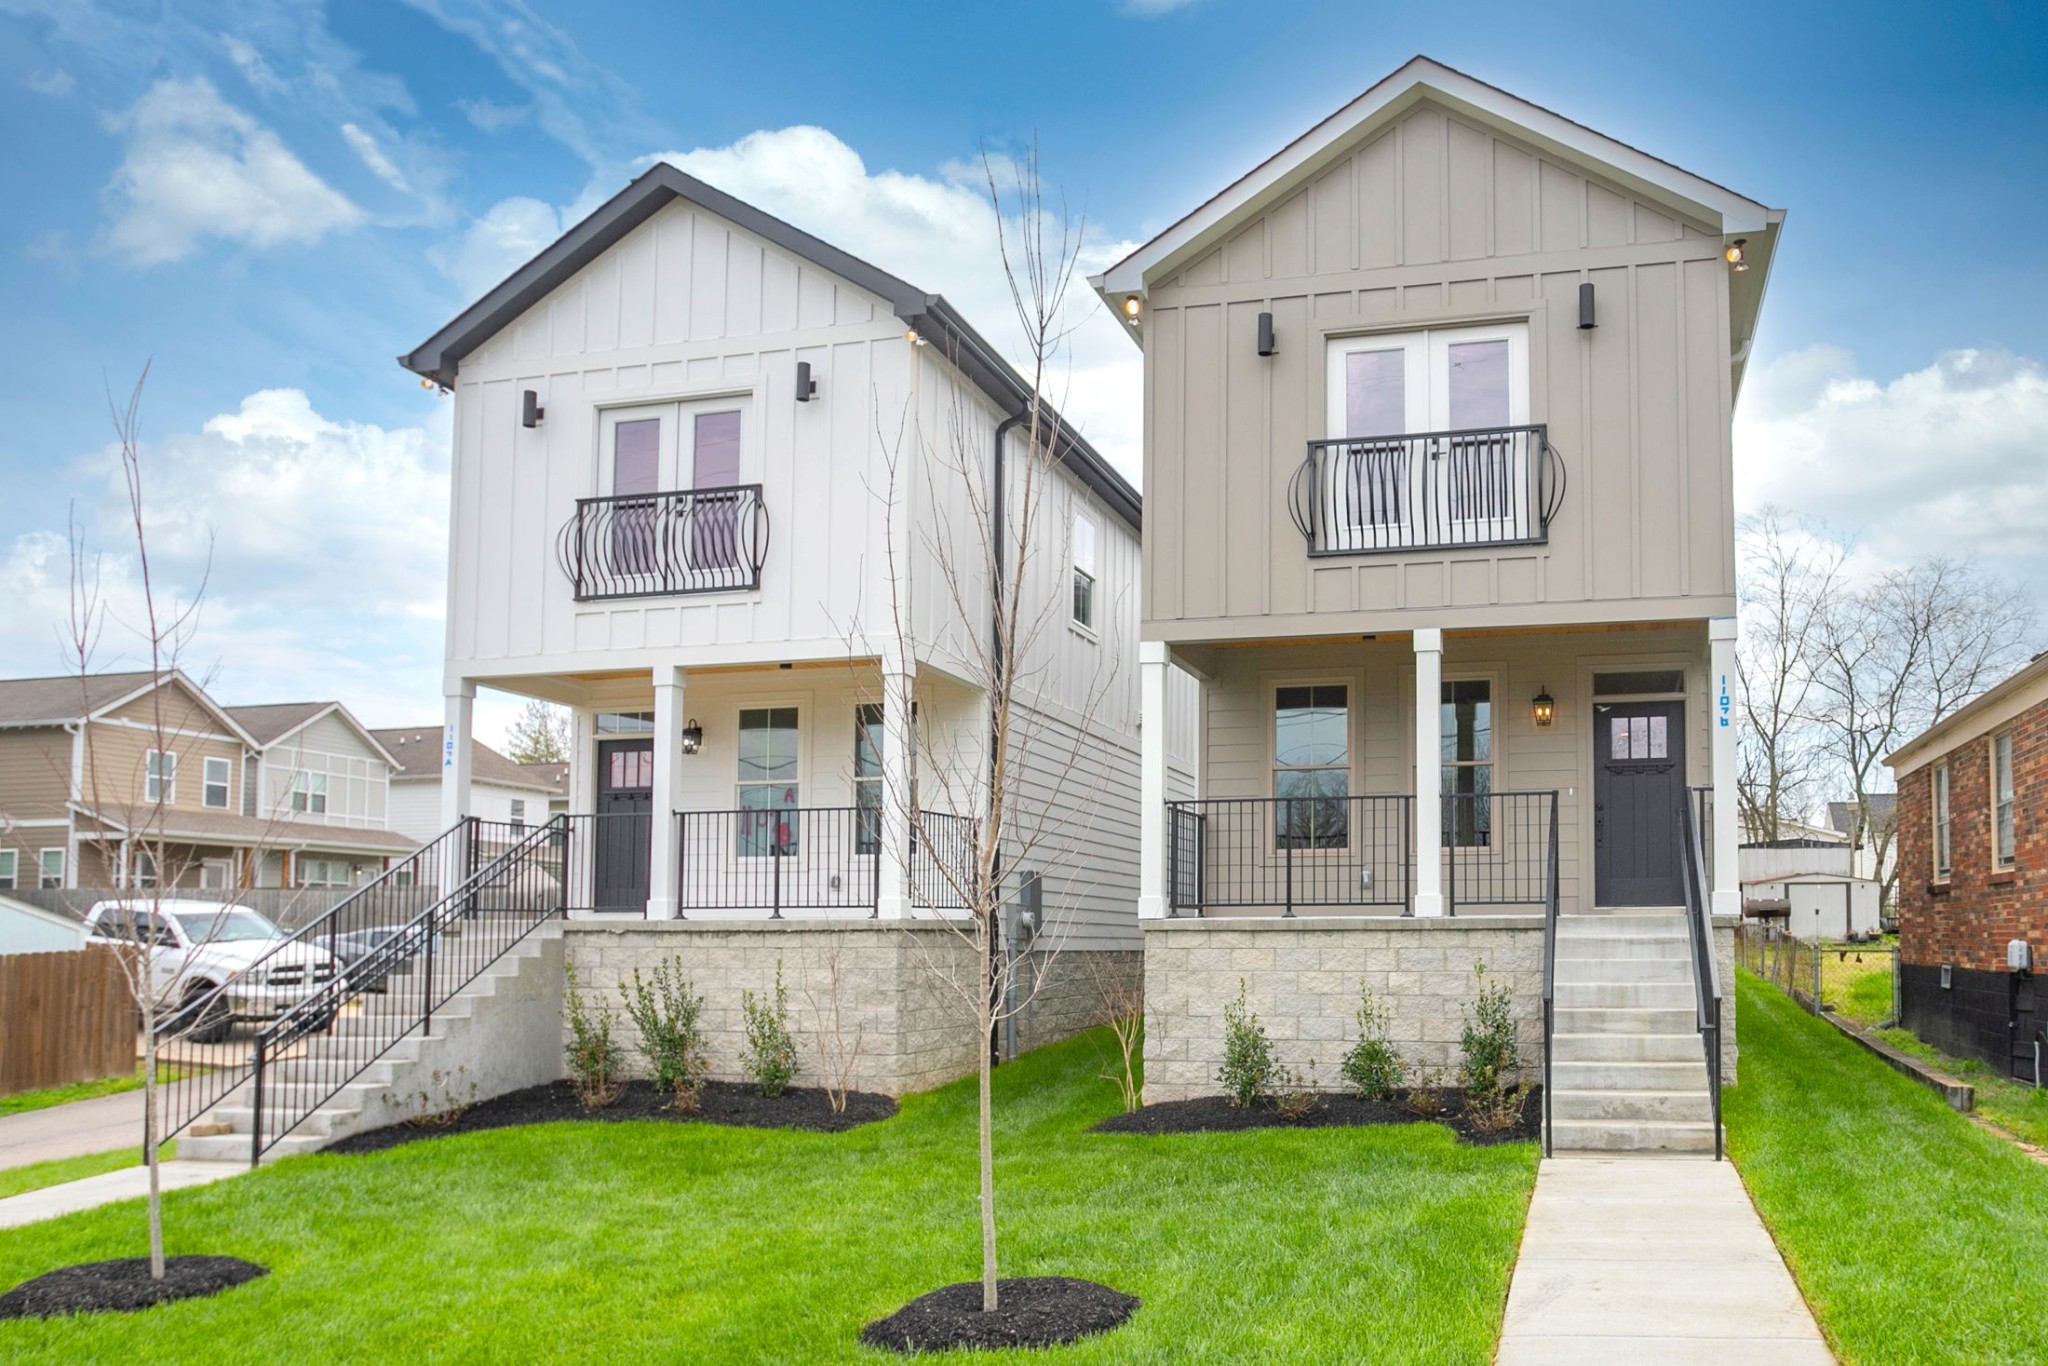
x=1859 y=982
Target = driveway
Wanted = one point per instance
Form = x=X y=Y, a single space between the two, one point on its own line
x=84 y=1126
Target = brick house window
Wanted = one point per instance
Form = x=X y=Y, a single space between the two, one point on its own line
x=1941 y=858
x=2001 y=800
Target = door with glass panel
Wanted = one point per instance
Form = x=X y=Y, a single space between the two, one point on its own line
x=1428 y=456
x=1638 y=791
x=672 y=473
x=622 y=833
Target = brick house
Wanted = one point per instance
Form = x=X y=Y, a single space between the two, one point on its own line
x=1973 y=873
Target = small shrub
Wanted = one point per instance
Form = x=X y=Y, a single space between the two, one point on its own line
x=1298 y=1097
x=665 y=1010
x=1373 y=1066
x=442 y=1101
x=594 y=1057
x=1249 y=1068
x=1502 y=1110
x=1425 y=1095
x=770 y=1058
x=1490 y=1047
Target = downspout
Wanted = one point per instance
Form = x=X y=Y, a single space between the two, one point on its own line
x=998 y=663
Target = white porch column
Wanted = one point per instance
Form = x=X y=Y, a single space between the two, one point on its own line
x=579 y=878
x=456 y=749
x=1152 y=728
x=1429 y=771
x=1723 y=678
x=664 y=871
x=899 y=788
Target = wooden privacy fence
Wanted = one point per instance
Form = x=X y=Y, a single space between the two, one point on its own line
x=64 y=1017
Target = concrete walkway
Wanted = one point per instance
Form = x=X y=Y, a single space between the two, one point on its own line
x=84 y=1126
x=130 y=1183
x=1653 y=1261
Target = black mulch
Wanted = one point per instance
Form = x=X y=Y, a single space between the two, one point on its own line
x=123 y=1286
x=721 y=1102
x=1206 y=1114
x=1031 y=1311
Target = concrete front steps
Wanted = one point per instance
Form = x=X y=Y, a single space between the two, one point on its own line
x=1627 y=1070
x=502 y=1032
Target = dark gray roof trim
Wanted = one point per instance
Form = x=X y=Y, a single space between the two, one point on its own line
x=439 y=357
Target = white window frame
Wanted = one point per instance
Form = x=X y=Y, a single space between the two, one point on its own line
x=1086 y=557
x=678 y=451
x=2004 y=810
x=802 y=765
x=43 y=879
x=1943 y=823
x=226 y=783
x=518 y=812
x=307 y=789
x=160 y=776
x=10 y=870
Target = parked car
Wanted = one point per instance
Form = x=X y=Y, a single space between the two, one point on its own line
x=371 y=956
x=198 y=946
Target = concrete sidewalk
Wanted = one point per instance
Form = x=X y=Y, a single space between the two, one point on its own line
x=1654 y=1261
x=130 y=1183
x=84 y=1126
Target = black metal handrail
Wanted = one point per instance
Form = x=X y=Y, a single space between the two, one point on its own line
x=396 y=986
x=663 y=544
x=1550 y=914
x=1703 y=814
x=1288 y=852
x=1488 y=486
x=1706 y=967
x=941 y=872
x=1496 y=848
x=811 y=858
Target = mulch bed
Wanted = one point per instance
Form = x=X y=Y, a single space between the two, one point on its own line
x=722 y=1102
x=1210 y=1114
x=123 y=1286
x=1031 y=1311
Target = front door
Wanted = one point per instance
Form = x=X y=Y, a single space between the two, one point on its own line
x=1638 y=787
x=625 y=813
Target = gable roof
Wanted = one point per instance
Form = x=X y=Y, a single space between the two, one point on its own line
x=64 y=698
x=417 y=752
x=439 y=357
x=556 y=776
x=2022 y=692
x=1269 y=182
x=271 y=722
x=1842 y=815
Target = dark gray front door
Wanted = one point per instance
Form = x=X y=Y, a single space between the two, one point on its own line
x=1638 y=784
x=625 y=810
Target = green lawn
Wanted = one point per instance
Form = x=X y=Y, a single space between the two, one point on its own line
x=1916 y=1236
x=23 y=1101
x=35 y=1176
x=661 y=1242
x=2013 y=1105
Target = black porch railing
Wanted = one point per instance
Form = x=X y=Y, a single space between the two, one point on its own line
x=662 y=544
x=1427 y=491
x=1285 y=853
x=1706 y=965
x=942 y=862
x=1497 y=848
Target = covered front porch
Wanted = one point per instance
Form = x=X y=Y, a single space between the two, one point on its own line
x=759 y=791
x=1510 y=771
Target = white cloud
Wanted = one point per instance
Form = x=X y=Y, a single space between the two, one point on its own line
x=490 y=117
x=1149 y=9
x=327 y=544
x=55 y=83
x=365 y=148
x=197 y=167
x=1945 y=459
x=505 y=238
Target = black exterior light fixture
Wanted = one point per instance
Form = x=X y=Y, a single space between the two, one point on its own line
x=693 y=737
x=530 y=411
x=1586 y=322
x=806 y=387
x=1265 y=334
x=1544 y=706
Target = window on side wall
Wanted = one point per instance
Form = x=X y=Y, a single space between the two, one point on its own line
x=309 y=793
x=1312 y=766
x=160 y=776
x=1941 y=822
x=9 y=865
x=1466 y=729
x=1084 y=571
x=50 y=873
x=2002 y=846
x=214 y=790
x=518 y=813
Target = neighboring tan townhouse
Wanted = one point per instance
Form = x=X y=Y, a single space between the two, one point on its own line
x=500 y=792
x=140 y=780
x=1438 y=467
x=1973 y=876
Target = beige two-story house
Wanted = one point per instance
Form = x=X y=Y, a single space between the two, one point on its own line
x=1439 y=484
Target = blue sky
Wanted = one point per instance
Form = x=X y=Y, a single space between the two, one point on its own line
x=272 y=200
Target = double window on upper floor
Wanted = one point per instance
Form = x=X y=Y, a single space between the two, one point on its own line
x=1429 y=446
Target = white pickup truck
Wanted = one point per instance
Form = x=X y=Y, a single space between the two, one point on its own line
x=196 y=946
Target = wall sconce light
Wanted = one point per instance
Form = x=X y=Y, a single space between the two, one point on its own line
x=1545 y=708
x=1586 y=322
x=1733 y=254
x=910 y=335
x=530 y=411
x=693 y=737
x=1265 y=334
x=1133 y=306
x=805 y=385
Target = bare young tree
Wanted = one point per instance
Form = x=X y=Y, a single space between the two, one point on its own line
x=1790 y=579
x=979 y=817
x=163 y=627
x=841 y=1043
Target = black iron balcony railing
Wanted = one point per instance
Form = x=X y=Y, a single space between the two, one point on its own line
x=1428 y=491
x=662 y=544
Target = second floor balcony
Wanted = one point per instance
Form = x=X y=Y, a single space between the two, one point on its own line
x=1366 y=495
x=709 y=540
